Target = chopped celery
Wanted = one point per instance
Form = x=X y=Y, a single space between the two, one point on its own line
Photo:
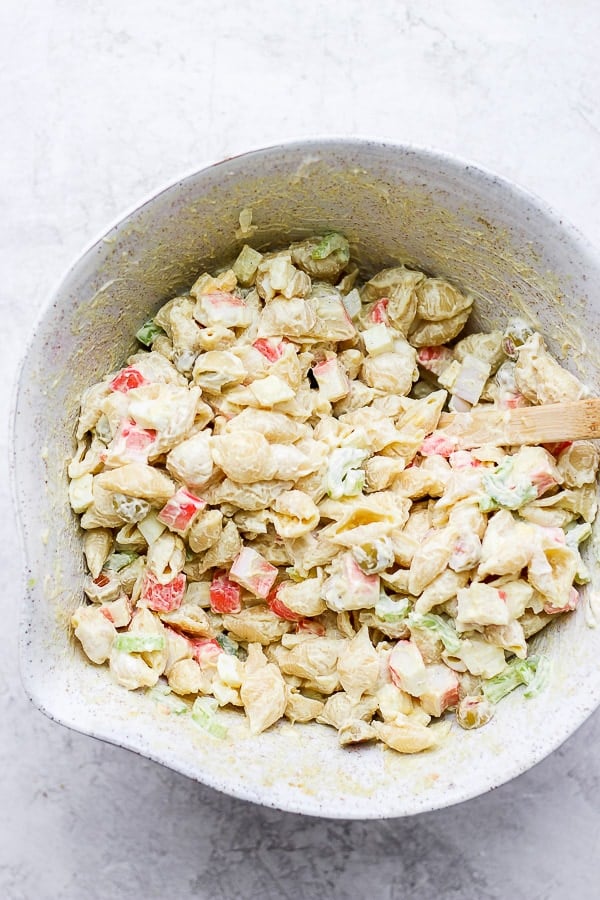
x=118 y=561
x=389 y=610
x=520 y=671
x=440 y=627
x=204 y=714
x=161 y=693
x=148 y=332
x=330 y=244
x=344 y=479
x=502 y=491
x=354 y=482
x=578 y=533
x=540 y=679
x=139 y=643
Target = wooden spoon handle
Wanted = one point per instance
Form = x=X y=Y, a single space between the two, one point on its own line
x=525 y=425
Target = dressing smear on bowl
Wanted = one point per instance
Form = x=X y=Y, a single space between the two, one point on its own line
x=274 y=523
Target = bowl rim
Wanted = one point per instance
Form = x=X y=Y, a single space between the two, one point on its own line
x=451 y=162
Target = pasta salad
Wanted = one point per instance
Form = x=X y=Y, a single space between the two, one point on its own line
x=274 y=522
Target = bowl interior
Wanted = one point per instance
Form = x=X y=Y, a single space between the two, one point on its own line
x=394 y=204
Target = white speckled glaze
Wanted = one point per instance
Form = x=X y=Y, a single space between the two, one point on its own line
x=393 y=202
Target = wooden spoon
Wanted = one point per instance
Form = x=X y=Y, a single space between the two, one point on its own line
x=525 y=425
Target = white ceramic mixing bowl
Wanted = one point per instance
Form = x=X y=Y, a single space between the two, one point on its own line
x=393 y=203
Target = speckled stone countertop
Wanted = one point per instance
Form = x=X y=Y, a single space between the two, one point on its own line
x=102 y=102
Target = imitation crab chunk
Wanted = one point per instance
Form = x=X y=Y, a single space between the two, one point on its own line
x=162 y=597
x=180 y=511
x=127 y=379
x=252 y=571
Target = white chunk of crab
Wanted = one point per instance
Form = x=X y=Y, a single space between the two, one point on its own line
x=348 y=587
x=271 y=390
x=407 y=668
x=482 y=604
x=441 y=690
x=253 y=572
x=95 y=632
x=378 y=339
x=332 y=380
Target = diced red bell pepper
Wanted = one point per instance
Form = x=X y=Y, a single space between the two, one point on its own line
x=379 y=312
x=225 y=596
x=127 y=379
x=438 y=444
x=163 y=597
x=206 y=651
x=179 y=512
x=270 y=347
x=279 y=608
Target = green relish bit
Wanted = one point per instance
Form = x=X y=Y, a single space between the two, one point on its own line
x=515 y=335
x=228 y=644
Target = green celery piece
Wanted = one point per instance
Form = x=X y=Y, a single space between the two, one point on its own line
x=344 y=479
x=577 y=534
x=499 y=494
x=389 y=610
x=540 y=679
x=331 y=243
x=204 y=715
x=354 y=482
x=161 y=693
x=118 y=561
x=520 y=671
x=439 y=626
x=139 y=643
x=148 y=332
